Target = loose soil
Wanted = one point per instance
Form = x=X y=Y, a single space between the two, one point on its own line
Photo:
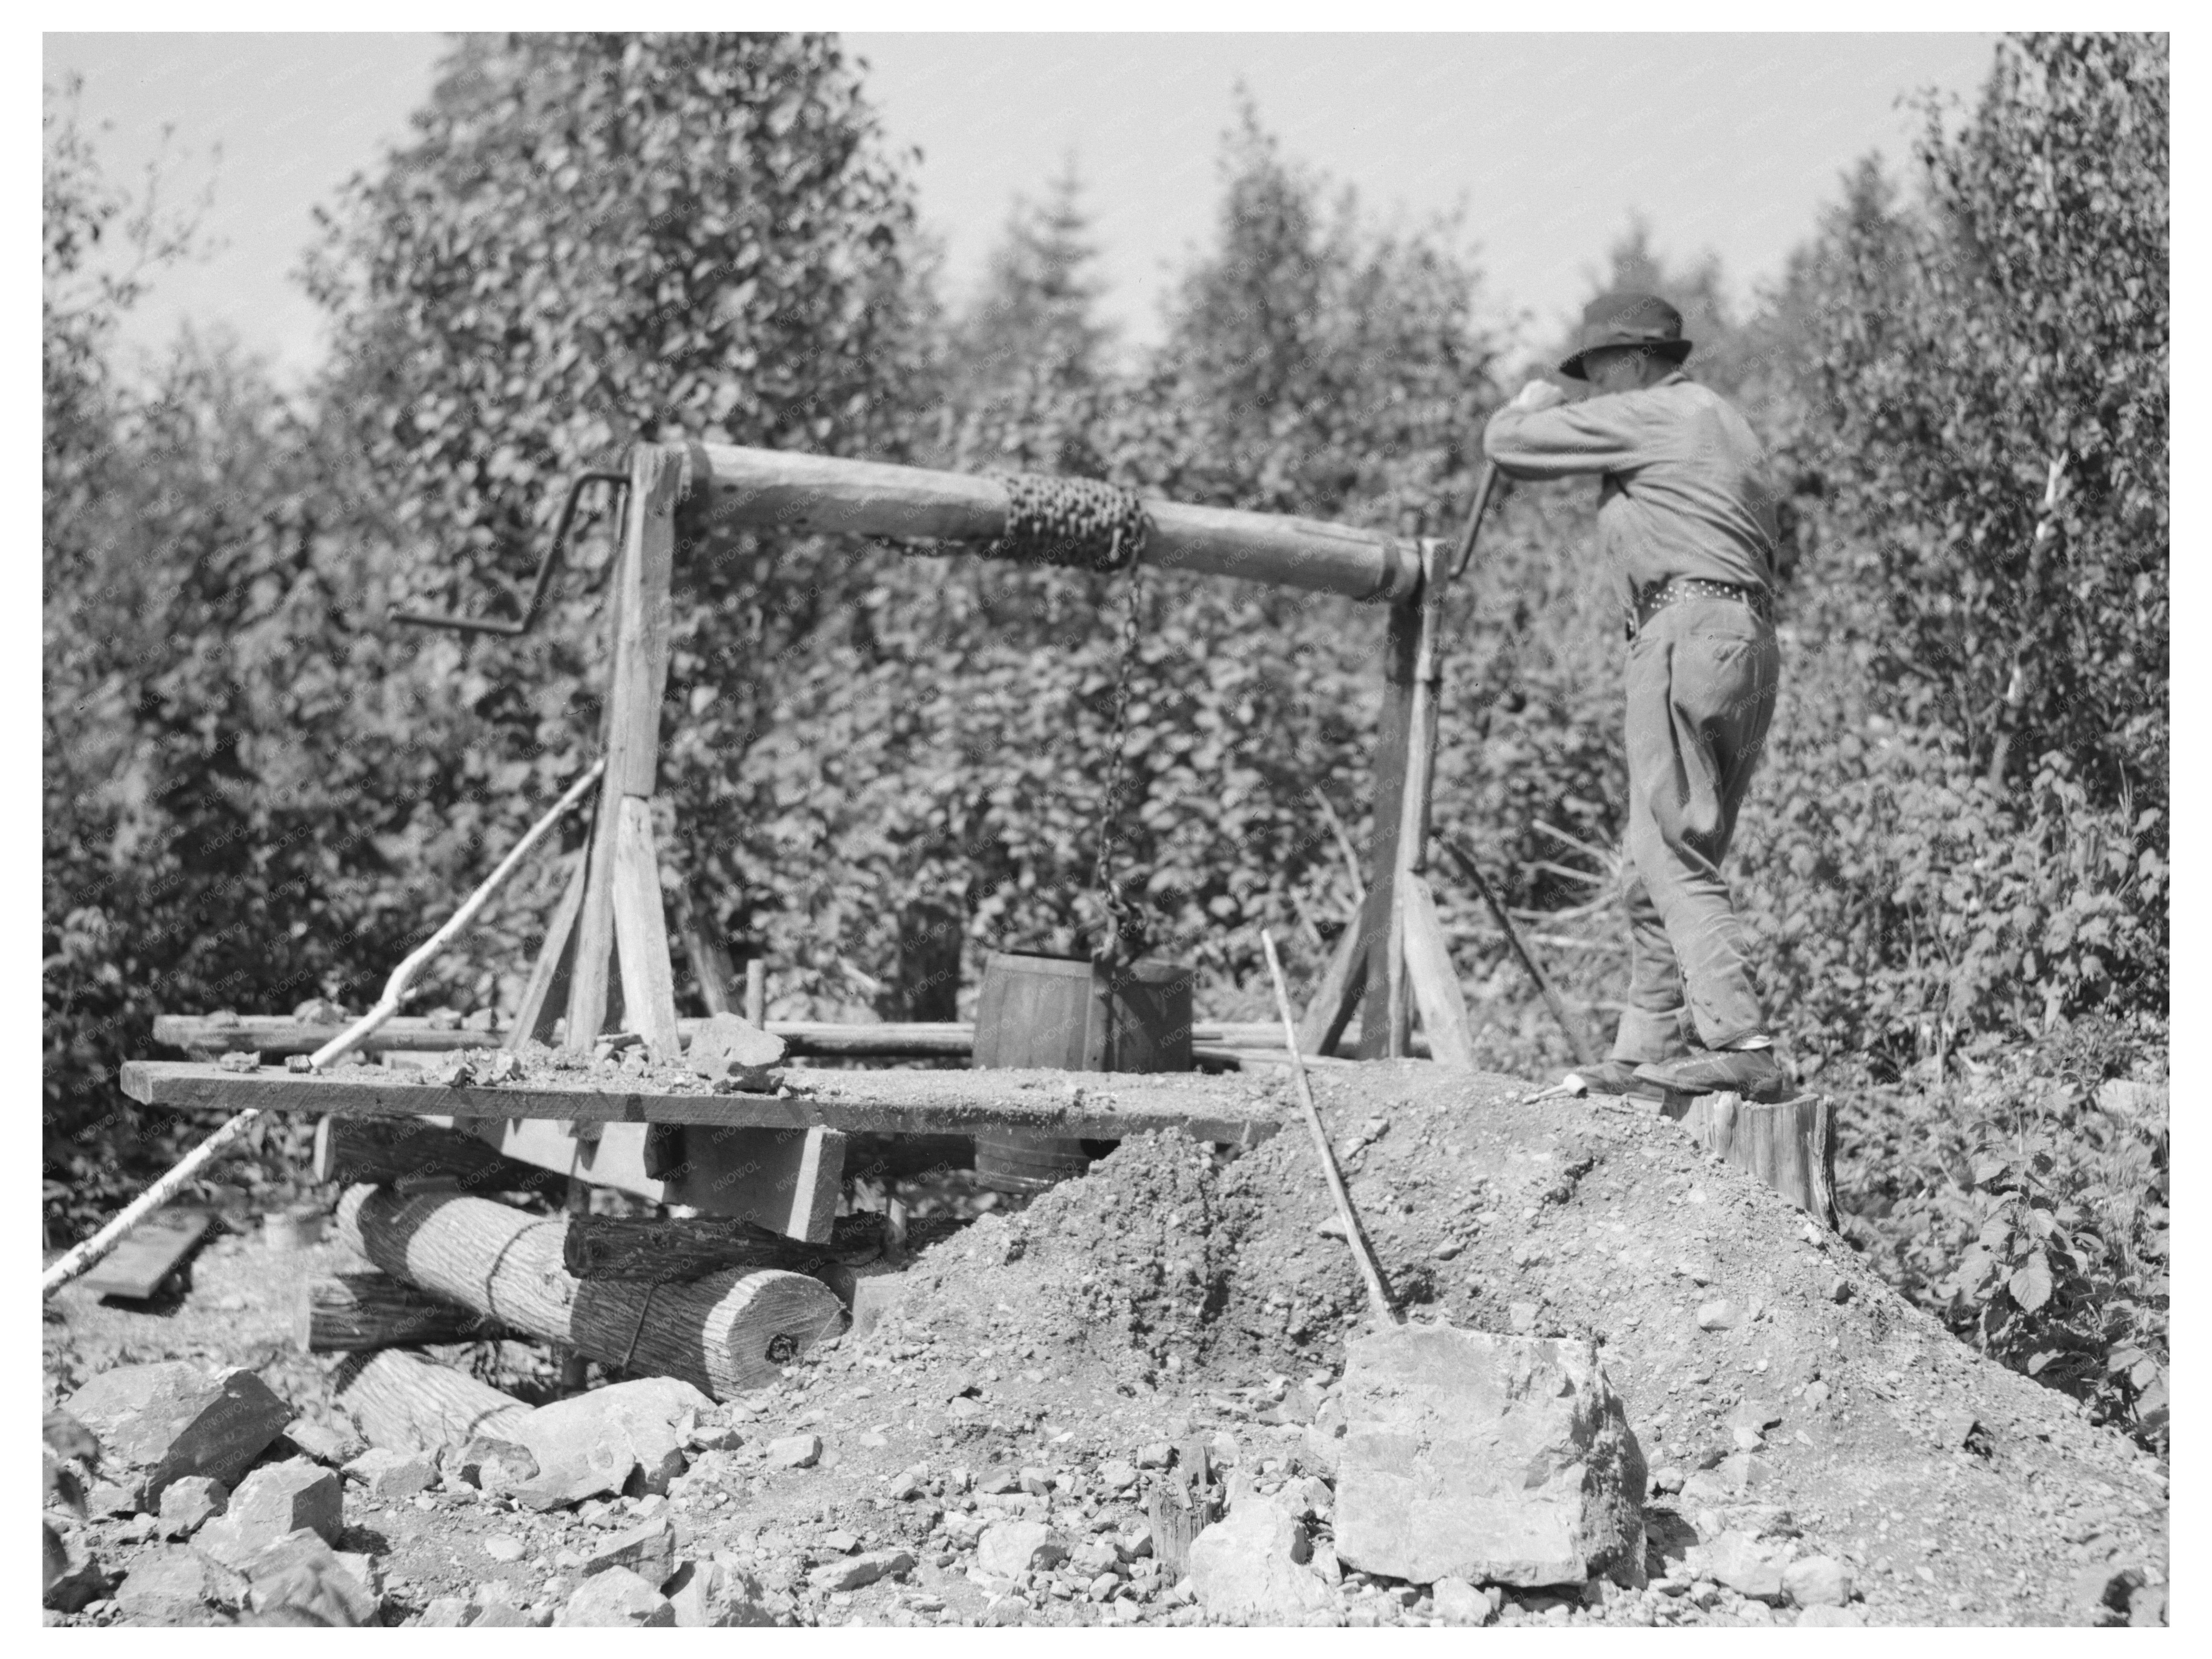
x=1175 y=1292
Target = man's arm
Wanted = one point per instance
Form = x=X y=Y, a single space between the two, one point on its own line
x=1538 y=436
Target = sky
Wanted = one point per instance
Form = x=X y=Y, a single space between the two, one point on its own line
x=1726 y=143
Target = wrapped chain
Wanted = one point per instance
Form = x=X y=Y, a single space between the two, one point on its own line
x=1079 y=522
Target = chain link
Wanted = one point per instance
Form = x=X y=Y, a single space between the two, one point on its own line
x=1127 y=933
x=1083 y=523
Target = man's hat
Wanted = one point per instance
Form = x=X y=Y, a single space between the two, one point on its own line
x=1629 y=319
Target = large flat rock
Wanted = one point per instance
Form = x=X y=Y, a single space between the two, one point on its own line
x=1503 y=1460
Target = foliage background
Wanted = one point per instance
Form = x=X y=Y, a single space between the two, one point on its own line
x=1955 y=863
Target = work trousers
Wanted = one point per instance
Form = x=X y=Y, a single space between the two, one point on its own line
x=1701 y=680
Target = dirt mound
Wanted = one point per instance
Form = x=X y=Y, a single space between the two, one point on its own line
x=1772 y=1379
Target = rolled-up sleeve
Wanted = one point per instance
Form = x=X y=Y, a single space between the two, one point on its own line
x=1600 y=434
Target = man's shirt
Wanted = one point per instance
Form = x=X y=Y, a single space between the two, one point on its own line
x=1687 y=490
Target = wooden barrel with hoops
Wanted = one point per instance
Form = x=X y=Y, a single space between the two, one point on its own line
x=1073 y=1014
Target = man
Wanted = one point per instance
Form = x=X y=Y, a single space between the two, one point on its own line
x=1686 y=521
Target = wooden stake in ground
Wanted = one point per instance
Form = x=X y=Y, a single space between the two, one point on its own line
x=726 y=1333
x=1378 y=1291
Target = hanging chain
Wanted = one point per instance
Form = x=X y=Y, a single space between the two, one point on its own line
x=1126 y=933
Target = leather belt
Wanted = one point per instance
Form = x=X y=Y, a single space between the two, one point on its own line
x=1657 y=597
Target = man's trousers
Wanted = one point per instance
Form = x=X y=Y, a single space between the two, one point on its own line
x=1700 y=689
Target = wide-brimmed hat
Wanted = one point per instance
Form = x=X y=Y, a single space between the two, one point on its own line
x=1629 y=319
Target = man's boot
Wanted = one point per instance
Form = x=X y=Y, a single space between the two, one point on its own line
x=1755 y=1073
x=1618 y=1077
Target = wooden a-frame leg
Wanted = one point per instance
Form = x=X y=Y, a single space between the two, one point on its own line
x=648 y=982
x=710 y=959
x=1329 y=1009
x=1435 y=983
x=546 y=996
x=1386 y=1029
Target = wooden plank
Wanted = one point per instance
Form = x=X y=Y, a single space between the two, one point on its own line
x=1093 y=1105
x=641 y=933
x=1435 y=982
x=546 y=996
x=781 y=490
x=149 y=1253
x=275 y=1036
x=749 y=1171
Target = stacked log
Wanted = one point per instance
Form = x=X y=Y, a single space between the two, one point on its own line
x=362 y=1312
x=409 y=1405
x=725 y=1333
x=380 y=1150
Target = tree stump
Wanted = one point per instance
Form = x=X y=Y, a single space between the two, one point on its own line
x=1789 y=1146
x=726 y=1333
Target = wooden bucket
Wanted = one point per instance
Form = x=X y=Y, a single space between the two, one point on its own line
x=1072 y=1014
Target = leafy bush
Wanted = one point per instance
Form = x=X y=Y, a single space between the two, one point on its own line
x=2027 y=1206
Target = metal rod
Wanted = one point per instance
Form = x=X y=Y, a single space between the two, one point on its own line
x=1378 y=1291
x=1577 y=1043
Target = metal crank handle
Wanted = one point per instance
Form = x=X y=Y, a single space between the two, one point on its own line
x=547 y=565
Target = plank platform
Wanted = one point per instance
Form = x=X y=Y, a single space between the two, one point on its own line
x=1104 y=1106
x=147 y=1254
x=280 y=1035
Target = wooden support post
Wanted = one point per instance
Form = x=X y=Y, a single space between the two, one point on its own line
x=1387 y=1028
x=622 y=909
x=756 y=993
x=1400 y=924
x=641 y=934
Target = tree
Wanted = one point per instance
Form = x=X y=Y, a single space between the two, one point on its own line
x=1986 y=378
x=593 y=238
